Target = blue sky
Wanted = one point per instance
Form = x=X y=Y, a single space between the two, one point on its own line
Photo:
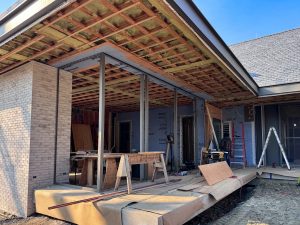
x=241 y=20
x=5 y=4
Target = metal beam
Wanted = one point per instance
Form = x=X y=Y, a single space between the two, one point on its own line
x=142 y=121
x=195 y=115
x=281 y=89
x=101 y=122
x=56 y=124
x=175 y=131
x=146 y=113
x=263 y=130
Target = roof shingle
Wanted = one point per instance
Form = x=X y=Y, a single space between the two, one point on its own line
x=271 y=60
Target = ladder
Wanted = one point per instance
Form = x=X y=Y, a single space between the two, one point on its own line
x=280 y=146
x=238 y=148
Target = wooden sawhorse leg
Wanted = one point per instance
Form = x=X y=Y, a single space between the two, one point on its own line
x=162 y=166
x=124 y=171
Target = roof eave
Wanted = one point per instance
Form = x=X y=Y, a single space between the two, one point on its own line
x=190 y=13
x=17 y=19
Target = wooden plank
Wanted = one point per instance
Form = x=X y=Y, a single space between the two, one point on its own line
x=189 y=66
x=111 y=173
x=82 y=137
x=216 y=172
x=90 y=173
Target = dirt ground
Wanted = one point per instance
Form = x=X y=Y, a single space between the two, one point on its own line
x=269 y=202
x=264 y=202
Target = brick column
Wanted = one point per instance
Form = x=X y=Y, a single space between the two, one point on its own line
x=27 y=133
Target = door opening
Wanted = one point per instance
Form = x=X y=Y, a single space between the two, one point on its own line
x=290 y=131
x=188 y=155
x=124 y=137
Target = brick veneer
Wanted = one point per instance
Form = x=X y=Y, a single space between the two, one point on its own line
x=28 y=97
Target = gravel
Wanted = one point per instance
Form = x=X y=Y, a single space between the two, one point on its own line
x=270 y=202
x=32 y=220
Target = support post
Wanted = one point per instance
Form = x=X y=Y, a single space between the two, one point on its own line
x=142 y=121
x=175 y=154
x=146 y=113
x=195 y=115
x=212 y=127
x=263 y=130
x=101 y=122
x=56 y=124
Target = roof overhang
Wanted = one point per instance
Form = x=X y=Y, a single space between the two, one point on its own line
x=277 y=90
x=26 y=14
x=190 y=13
x=120 y=58
x=211 y=71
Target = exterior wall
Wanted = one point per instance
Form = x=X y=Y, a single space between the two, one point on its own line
x=236 y=114
x=200 y=127
x=37 y=139
x=272 y=120
x=161 y=125
x=15 y=129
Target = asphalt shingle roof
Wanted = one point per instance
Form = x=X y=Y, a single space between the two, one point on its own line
x=271 y=60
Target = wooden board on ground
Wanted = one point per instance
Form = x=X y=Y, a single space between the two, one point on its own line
x=82 y=137
x=215 y=172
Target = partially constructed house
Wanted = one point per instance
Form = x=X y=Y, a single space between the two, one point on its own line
x=129 y=76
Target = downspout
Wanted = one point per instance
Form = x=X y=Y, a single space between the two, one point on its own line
x=56 y=124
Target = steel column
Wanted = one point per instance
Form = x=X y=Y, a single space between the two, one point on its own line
x=195 y=115
x=56 y=124
x=146 y=113
x=101 y=122
x=142 y=121
x=176 y=154
x=263 y=130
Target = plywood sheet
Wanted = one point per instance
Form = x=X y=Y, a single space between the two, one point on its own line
x=82 y=137
x=215 y=172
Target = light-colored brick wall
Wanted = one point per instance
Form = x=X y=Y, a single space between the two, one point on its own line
x=15 y=126
x=41 y=136
x=64 y=127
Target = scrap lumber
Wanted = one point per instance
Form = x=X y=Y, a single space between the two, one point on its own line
x=82 y=137
x=216 y=172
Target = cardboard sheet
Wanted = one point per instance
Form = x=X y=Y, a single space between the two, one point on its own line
x=112 y=209
x=189 y=187
x=83 y=213
x=215 y=172
x=221 y=189
x=175 y=210
x=224 y=188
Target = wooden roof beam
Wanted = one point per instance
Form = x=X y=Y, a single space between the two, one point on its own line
x=107 y=83
x=190 y=66
x=116 y=90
